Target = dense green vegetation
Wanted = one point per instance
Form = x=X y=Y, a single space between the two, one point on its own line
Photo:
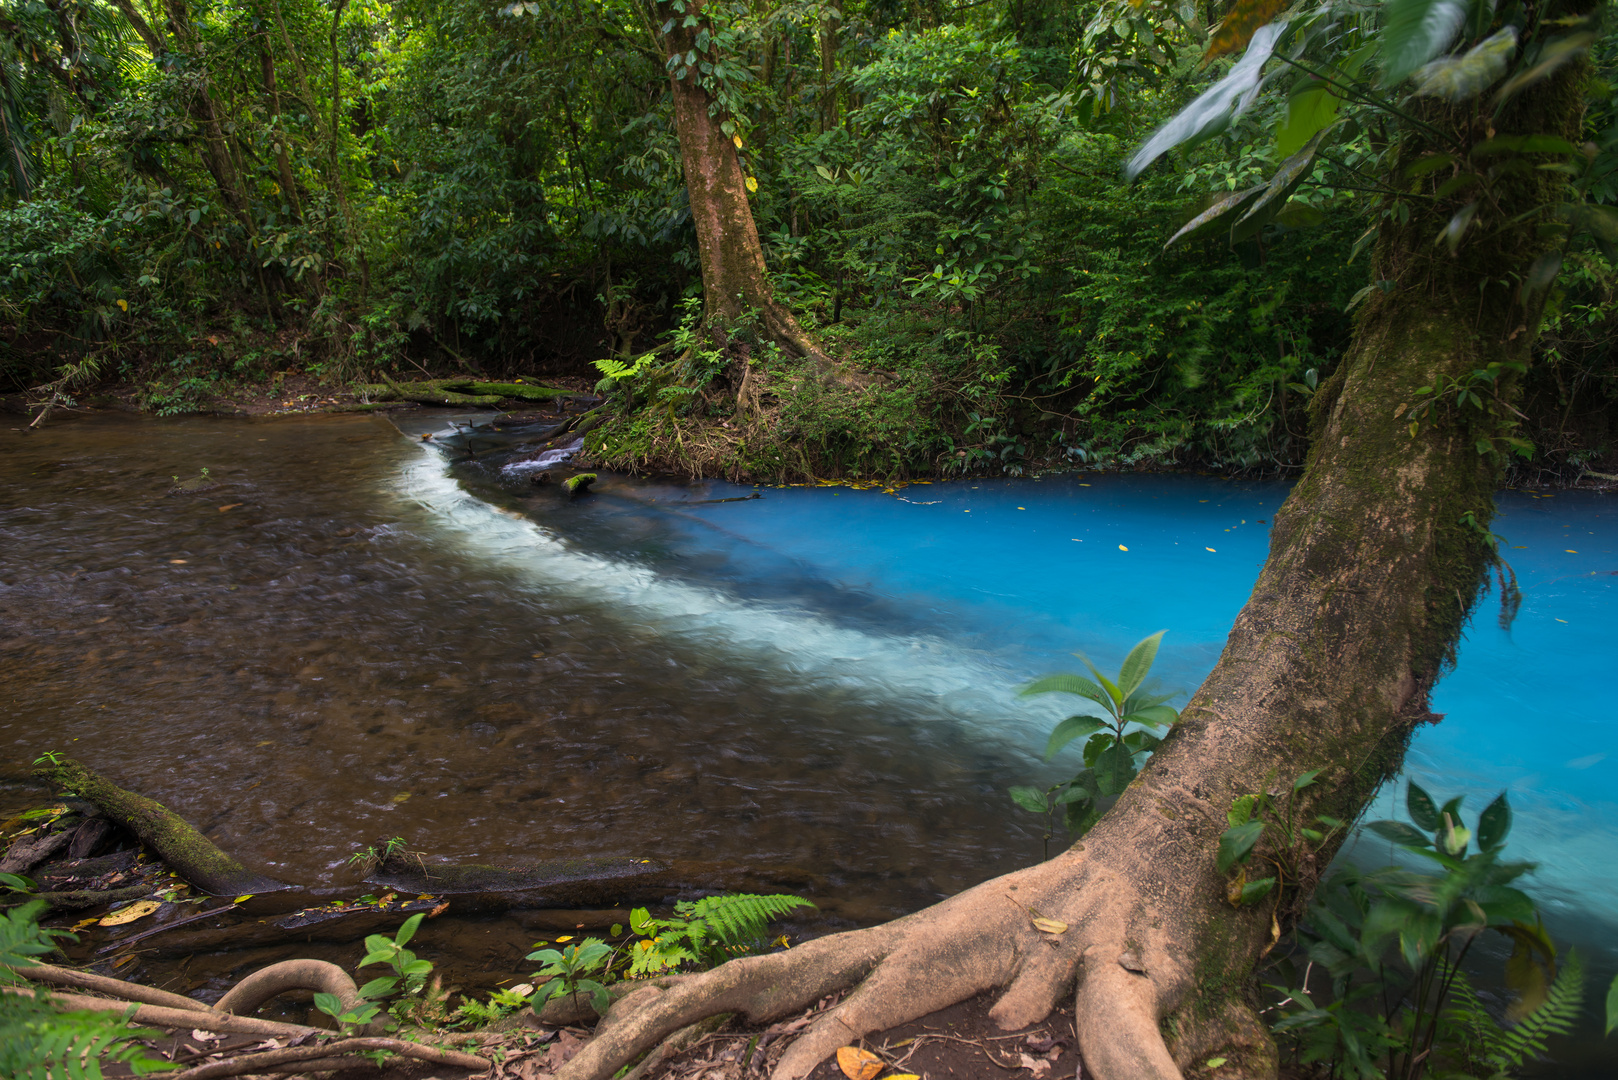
x=200 y=194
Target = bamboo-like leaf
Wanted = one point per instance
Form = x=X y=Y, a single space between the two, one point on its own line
x=1240 y=24
x=1287 y=177
x=1215 y=107
x=1217 y=217
x=1460 y=78
x=1298 y=215
x=1457 y=226
x=1138 y=663
x=1557 y=51
x=1543 y=272
x=1415 y=31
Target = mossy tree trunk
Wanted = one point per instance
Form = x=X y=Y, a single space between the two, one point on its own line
x=734 y=282
x=1371 y=574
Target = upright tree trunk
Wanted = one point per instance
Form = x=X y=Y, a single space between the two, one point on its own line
x=734 y=281
x=1373 y=568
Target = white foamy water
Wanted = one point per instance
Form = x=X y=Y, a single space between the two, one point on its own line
x=802 y=646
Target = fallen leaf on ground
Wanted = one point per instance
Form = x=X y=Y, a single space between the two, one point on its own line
x=1033 y=1064
x=1051 y=926
x=138 y=910
x=562 y=1051
x=858 y=1064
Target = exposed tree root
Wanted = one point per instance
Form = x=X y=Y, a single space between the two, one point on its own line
x=163 y=1016
x=314 y=1058
x=101 y=984
x=246 y=996
x=978 y=941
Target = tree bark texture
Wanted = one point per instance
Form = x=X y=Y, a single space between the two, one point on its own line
x=1371 y=574
x=734 y=281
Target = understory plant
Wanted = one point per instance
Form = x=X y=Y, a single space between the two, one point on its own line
x=700 y=934
x=1392 y=942
x=1117 y=743
x=36 y=1041
x=409 y=978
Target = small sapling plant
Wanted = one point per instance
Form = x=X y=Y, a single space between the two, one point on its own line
x=1250 y=817
x=1117 y=743
x=569 y=971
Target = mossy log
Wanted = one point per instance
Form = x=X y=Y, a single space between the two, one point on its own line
x=457 y=392
x=181 y=847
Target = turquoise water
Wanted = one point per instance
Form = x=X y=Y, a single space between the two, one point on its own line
x=1004 y=579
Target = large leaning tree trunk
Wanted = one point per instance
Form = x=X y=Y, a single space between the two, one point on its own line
x=1370 y=576
x=734 y=281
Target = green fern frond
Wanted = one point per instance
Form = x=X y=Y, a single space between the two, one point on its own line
x=742 y=918
x=1526 y=1040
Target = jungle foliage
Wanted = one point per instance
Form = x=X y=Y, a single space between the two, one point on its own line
x=210 y=192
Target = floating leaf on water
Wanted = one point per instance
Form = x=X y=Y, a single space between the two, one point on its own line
x=1051 y=926
x=243 y=897
x=138 y=910
x=858 y=1064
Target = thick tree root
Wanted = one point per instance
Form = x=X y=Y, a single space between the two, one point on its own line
x=975 y=942
x=323 y=978
x=162 y=1016
x=101 y=984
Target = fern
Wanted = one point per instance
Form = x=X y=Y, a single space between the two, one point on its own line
x=39 y=1043
x=740 y=919
x=1512 y=1047
x=707 y=931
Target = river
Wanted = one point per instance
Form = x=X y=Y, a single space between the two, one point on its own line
x=352 y=635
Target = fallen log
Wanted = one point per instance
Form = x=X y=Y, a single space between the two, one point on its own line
x=182 y=848
x=457 y=391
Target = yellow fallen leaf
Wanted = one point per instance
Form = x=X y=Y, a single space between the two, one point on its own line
x=232 y=506
x=737 y=139
x=123 y=305
x=858 y=1064
x=564 y=937
x=244 y=897
x=904 y=1076
x=1570 y=551
x=1122 y=548
x=752 y=183
x=138 y=910
x=1210 y=549
x=1051 y=926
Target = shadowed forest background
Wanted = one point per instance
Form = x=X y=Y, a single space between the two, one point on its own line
x=205 y=195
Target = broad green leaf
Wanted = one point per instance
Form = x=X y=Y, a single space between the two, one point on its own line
x=1415 y=31
x=1423 y=811
x=1241 y=809
x=1460 y=78
x=1299 y=215
x=1067 y=683
x=1212 y=111
x=1292 y=172
x=1115 y=768
x=1139 y=741
x=378 y=987
x=1111 y=687
x=1418 y=937
x=1494 y=824
x=1399 y=833
x=1074 y=727
x=1138 y=663
x=1305 y=779
x=1236 y=843
x=1156 y=716
x=1080 y=816
x=1029 y=798
x=1612 y=1005
x=408 y=930
x=329 y=1004
x=1075 y=793
x=1217 y=217
x=1240 y=25
x=1097 y=744
x=1309 y=110
x=1253 y=891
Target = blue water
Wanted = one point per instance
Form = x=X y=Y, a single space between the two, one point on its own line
x=962 y=591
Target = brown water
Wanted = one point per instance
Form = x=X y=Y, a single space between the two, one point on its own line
x=305 y=659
